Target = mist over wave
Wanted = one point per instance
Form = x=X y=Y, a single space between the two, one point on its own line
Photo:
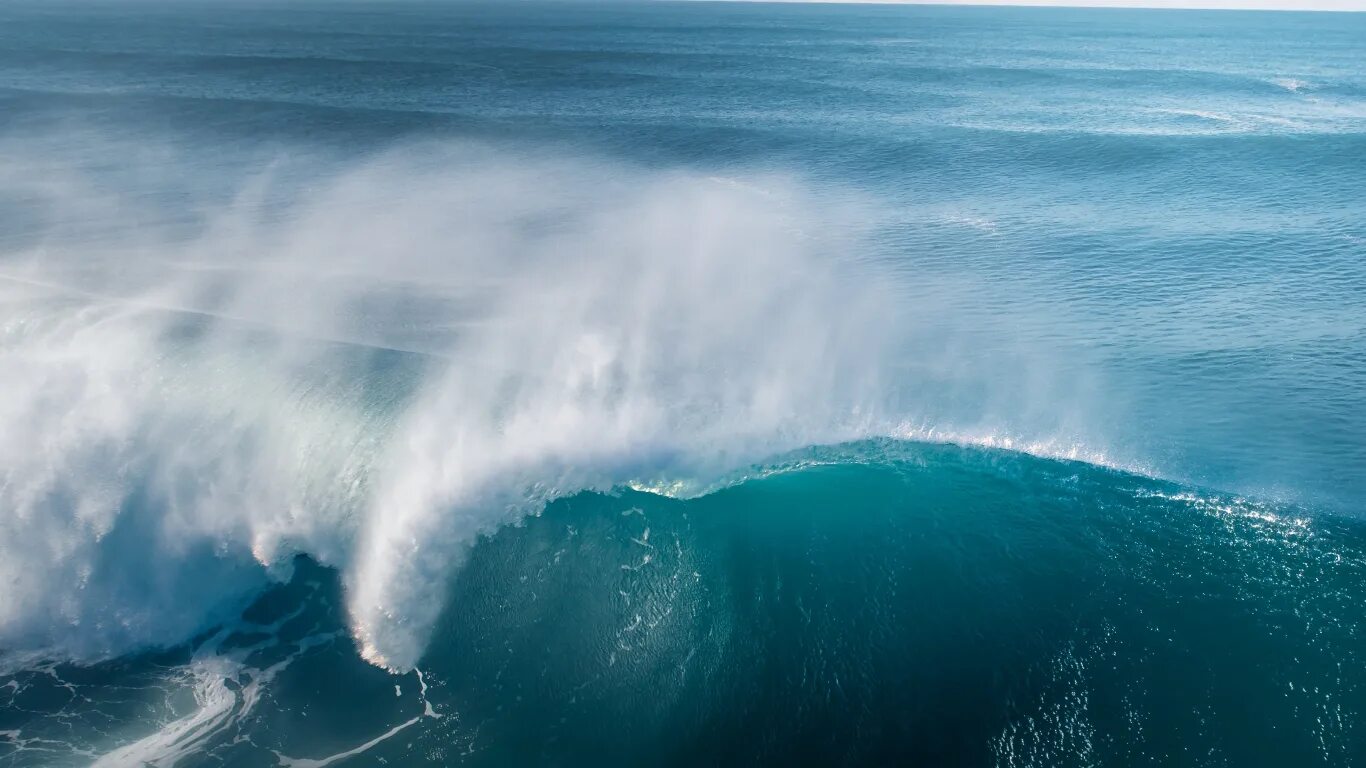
x=379 y=367
x=679 y=384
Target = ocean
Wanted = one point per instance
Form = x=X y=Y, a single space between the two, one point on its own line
x=680 y=383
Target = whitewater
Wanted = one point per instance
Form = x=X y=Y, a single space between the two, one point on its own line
x=264 y=393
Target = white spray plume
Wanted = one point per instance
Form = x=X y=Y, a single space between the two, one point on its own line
x=378 y=365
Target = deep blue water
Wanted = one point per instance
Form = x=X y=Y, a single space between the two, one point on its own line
x=681 y=383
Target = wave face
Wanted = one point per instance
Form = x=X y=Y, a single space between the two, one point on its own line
x=448 y=383
x=375 y=390
x=872 y=602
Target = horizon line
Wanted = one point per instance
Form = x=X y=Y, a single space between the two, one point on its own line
x=1092 y=5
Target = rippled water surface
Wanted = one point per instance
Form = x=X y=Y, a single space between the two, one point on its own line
x=680 y=383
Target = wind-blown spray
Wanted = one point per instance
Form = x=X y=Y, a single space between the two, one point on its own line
x=402 y=357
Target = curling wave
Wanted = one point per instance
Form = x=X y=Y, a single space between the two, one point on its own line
x=378 y=370
x=1074 y=605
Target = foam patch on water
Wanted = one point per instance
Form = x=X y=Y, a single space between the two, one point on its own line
x=1292 y=84
x=1280 y=521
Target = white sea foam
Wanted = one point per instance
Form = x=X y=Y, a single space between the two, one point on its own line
x=1226 y=507
x=701 y=333
x=979 y=223
x=1292 y=84
x=1204 y=114
x=375 y=365
x=227 y=689
x=184 y=413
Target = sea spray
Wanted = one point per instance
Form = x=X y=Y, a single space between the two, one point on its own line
x=419 y=350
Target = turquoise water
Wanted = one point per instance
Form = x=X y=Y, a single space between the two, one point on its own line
x=668 y=383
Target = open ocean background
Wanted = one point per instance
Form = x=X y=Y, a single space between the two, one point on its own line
x=567 y=383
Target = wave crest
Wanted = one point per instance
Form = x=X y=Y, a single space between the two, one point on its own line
x=378 y=365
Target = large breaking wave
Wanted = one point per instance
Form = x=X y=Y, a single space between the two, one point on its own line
x=374 y=365
x=379 y=365
x=871 y=599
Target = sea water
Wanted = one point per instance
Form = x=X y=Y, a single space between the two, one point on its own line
x=680 y=383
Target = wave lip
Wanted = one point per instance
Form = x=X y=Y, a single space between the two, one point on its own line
x=1055 y=448
x=602 y=371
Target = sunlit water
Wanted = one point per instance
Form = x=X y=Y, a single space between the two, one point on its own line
x=680 y=384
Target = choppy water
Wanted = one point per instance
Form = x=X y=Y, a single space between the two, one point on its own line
x=681 y=383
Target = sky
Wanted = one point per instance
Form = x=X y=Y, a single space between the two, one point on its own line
x=1282 y=5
